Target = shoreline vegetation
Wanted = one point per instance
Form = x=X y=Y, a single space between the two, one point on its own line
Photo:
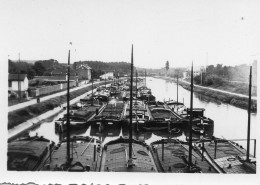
x=241 y=102
x=21 y=115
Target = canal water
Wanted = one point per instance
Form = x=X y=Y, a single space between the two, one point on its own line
x=230 y=121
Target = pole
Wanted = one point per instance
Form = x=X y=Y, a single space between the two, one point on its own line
x=131 y=111
x=177 y=89
x=201 y=77
x=105 y=82
x=68 y=112
x=191 y=116
x=162 y=149
x=136 y=83
x=215 y=152
x=145 y=77
x=92 y=90
x=19 y=83
x=202 y=156
x=254 y=147
x=249 y=115
x=95 y=148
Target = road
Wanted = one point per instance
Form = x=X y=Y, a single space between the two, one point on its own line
x=34 y=101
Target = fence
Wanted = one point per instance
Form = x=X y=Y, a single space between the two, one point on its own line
x=34 y=92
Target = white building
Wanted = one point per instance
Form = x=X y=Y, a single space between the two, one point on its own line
x=108 y=75
x=197 y=70
x=18 y=82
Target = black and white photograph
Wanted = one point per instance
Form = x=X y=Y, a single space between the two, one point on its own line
x=129 y=91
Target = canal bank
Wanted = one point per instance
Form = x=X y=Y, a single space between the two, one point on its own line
x=27 y=118
x=237 y=100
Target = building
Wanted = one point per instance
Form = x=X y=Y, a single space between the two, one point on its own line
x=83 y=72
x=108 y=75
x=197 y=70
x=18 y=83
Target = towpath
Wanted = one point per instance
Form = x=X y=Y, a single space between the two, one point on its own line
x=218 y=90
x=34 y=101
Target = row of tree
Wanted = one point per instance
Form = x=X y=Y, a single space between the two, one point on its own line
x=38 y=68
x=45 y=67
x=219 y=74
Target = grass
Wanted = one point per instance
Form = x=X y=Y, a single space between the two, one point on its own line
x=237 y=101
x=21 y=115
x=14 y=101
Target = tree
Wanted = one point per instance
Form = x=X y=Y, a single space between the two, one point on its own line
x=39 y=68
x=167 y=65
x=30 y=73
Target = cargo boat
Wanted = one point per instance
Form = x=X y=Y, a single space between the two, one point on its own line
x=27 y=154
x=227 y=156
x=171 y=156
x=127 y=154
x=85 y=155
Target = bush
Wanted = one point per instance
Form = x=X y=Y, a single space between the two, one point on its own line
x=13 y=96
x=214 y=80
x=197 y=79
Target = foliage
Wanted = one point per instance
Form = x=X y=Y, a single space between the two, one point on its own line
x=228 y=73
x=100 y=68
x=214 y=80
x=39 y=68
x=167 y=65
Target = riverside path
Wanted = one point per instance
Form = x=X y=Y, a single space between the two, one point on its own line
x=34 y=101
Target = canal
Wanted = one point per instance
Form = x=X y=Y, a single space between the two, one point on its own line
x=230 y=121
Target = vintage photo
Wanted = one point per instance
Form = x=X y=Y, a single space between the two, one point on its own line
x=132 y=88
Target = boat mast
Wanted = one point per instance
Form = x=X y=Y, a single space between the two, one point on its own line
x=249 y=116
x=145 y=77
x=177 y=88
x=68 y=112
x=130 y=162
x=92 y=89
x=136 y=83
x=191 y=116
x=19 y=83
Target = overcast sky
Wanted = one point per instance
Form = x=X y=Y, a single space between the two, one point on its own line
x=227 y=31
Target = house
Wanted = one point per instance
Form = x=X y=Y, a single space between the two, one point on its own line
x=59 y=76
x=83 y=71
x=197 y=70
x=18 y=83
x=108 y=75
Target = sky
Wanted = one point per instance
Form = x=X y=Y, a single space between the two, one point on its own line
x=179 y=31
